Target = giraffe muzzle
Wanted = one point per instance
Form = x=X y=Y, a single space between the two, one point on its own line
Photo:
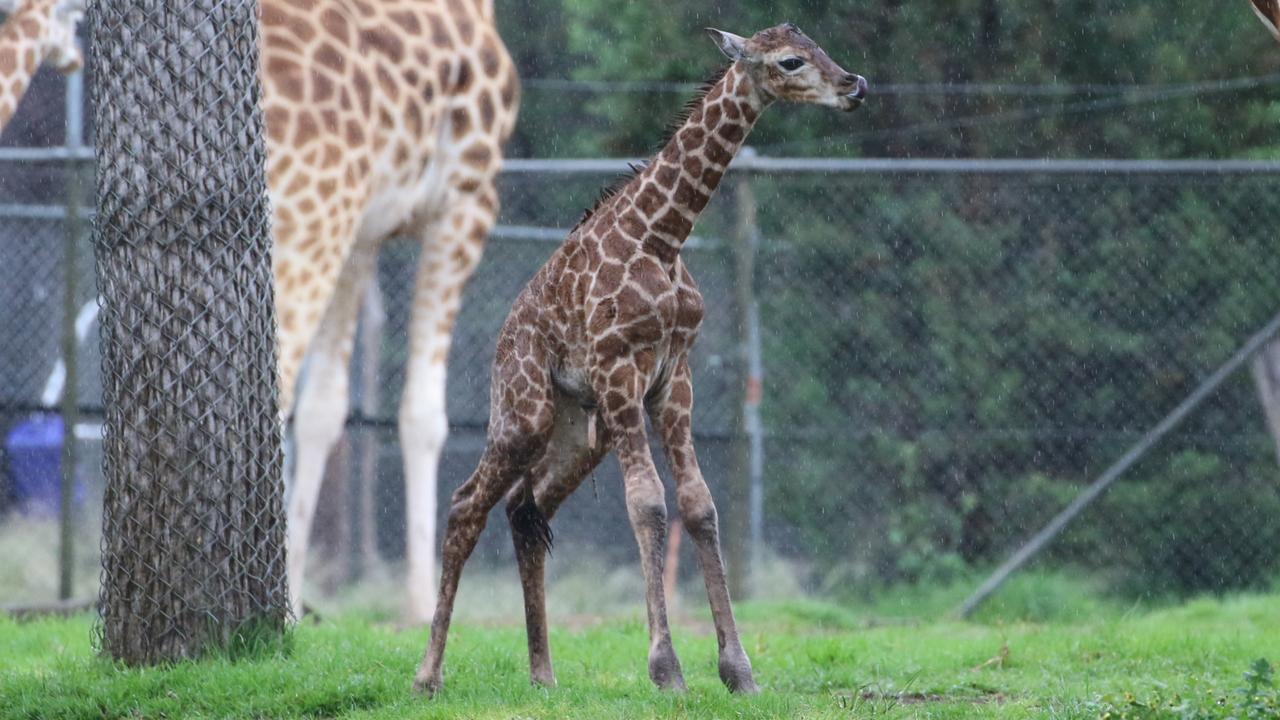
x=855 y=97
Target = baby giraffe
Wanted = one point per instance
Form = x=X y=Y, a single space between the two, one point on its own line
x=599 y=337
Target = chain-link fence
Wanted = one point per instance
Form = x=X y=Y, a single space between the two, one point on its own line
x=949 y=353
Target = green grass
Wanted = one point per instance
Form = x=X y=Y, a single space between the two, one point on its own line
x=811 y=659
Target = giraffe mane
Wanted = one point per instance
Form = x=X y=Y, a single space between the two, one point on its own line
x=693 y=103
x=612 y=189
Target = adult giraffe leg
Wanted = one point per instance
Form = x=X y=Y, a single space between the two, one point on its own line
x=671 y=416
x=322 y=410
x=452 y=242
x=562 y=468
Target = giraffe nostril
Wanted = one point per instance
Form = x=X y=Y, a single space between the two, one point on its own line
x=860 y=91
x=850 y=79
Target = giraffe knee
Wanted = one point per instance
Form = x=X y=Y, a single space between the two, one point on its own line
x=700 y=520
x=465 y=514
x=697 y=510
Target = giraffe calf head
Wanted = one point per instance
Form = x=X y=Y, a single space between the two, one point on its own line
x=786 y=65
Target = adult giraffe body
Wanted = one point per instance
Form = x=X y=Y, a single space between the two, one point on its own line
x=599 y=338
x=383 y=118
x=35 y=32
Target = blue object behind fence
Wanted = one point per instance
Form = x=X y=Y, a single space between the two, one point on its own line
x=35 y=465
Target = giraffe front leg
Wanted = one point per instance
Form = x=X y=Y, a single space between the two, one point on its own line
x=452 y=243
x=620 y=383
x=671 y=415
x=647 y=511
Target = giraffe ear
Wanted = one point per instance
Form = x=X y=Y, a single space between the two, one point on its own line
x=733 y=46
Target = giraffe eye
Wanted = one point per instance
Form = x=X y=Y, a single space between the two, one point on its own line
x=790 y=64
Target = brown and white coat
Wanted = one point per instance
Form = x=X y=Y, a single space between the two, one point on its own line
x=600 y=337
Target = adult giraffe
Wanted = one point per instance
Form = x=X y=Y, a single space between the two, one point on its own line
x=35 y=32
x=383 y=118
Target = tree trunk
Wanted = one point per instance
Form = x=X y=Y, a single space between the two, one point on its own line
x=193 y=547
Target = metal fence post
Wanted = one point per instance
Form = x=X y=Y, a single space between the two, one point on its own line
x=70 y=341
x=743 y=516
x=373 y=321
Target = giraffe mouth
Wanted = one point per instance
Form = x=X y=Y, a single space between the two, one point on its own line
x=854 y=98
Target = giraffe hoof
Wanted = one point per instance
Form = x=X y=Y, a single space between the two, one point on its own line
x=425 y=684
x=543 y=679
x=664 y=670
x=735 y=673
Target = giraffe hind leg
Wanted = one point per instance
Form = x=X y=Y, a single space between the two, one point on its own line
x=569 y=458
x=500 y=467
x=517 y=440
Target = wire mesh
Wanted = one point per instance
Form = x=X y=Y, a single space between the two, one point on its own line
x=193 y=551
x=949 y=357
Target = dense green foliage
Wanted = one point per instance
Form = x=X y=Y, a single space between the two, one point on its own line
x=978 y=347
x=1000 y=42
x=813 y=661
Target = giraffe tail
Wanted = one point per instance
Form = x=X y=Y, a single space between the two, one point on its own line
x=531 y=525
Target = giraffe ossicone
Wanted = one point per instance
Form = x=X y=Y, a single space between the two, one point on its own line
x=601 y=334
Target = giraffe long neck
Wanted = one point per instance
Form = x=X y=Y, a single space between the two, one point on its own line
x=678 y=183
x=19 y=60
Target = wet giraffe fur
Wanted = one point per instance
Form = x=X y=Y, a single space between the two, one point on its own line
x=601 y=336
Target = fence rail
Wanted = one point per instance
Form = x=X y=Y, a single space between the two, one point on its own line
x=751 y=161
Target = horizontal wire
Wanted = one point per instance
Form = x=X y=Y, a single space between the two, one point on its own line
x=1084 y=106
x=898 y=89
